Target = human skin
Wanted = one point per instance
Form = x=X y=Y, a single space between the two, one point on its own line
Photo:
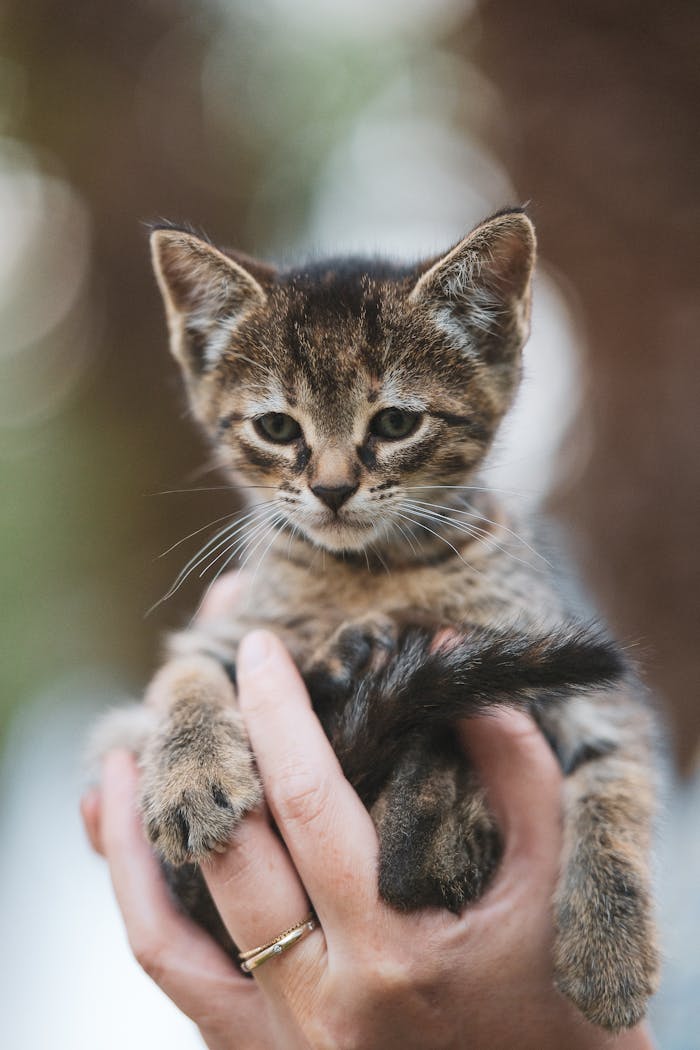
x=370 y=977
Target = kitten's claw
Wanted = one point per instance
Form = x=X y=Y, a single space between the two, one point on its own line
x=185 y=823
x=194 y=798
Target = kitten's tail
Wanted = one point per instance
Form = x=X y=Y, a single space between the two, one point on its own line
x=426 y=687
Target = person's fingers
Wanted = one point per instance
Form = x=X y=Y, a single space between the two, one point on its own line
x=222 y=598
x=180 y=957
x=523 y=785
x=259 y=895
x=90 y=812
x=328 y=832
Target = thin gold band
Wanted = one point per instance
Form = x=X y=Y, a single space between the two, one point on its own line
x=261 y=947
x=255 y=957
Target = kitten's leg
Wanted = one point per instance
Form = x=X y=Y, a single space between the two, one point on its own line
x=198 y=776
x=606 y=959
x=126 y=727
x=438 y=843
x=352 y=651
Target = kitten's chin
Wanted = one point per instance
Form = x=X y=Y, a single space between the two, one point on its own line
x=339 y=536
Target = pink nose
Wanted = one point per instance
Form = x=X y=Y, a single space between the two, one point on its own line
x=334 y=497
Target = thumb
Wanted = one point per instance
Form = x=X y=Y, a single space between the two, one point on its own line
x=522 y=780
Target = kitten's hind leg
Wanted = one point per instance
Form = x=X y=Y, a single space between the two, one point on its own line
x=438 y=842
x=606 y=959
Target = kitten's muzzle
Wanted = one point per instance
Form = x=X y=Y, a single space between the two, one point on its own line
x=335 y=496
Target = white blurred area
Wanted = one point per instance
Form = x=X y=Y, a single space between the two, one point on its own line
x=404 y=178
x=69 y=980
x=47 y=336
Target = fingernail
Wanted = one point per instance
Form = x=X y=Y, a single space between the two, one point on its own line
x=254 y=650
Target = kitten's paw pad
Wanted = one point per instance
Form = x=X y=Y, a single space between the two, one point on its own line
x=190 y=813
x=606 y=960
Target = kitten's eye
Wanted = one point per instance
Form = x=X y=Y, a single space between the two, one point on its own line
x=394 y=423
x=276 y=426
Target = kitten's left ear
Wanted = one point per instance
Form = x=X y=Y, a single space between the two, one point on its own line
x=206 y=294
x=479 y=293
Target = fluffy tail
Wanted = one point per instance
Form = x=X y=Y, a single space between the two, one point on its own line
x=423 y=689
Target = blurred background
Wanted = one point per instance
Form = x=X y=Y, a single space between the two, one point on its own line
x=293 y=128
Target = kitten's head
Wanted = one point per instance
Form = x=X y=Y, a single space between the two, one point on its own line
x=347 y=387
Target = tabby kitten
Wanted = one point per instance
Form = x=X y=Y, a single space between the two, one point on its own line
x=355 y=400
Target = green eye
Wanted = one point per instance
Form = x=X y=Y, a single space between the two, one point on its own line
x=276 y=426
x=391 y=424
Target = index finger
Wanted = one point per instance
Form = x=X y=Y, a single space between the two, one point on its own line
x=327 y=830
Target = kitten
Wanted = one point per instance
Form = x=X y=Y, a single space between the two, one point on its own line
x=355 y=400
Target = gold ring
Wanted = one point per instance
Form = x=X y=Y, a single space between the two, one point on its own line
x=255 y=957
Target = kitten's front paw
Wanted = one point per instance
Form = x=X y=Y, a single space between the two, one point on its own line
x=196 y=788
x=606 y=960
x=353 y=650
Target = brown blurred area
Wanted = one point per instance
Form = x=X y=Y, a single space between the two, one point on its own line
x=597 y=127
x=113 y=104
x=600 y=109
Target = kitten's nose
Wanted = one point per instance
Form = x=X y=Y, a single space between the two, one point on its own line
x=335 y=496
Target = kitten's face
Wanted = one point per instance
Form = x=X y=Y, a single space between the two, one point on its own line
x=344 y=393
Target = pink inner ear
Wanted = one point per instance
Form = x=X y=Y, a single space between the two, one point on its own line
x=507 y=256
x=497 y=256
x=197 y=278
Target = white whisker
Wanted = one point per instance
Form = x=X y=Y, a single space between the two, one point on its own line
x=196 y=532
x=271 y=526
x=476 y=513
x=251 y=529
x=465 y=488
x=277 y=528
x=223 y=536
x=406 y=535
x=470 y=529
x=442 y=538
x=225 y=565
x=379 y=558
x=211 y=488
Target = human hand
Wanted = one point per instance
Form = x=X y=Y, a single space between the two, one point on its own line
x=370 y=976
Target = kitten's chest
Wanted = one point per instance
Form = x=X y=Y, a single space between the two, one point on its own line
x=304 y=605
x=305 y=608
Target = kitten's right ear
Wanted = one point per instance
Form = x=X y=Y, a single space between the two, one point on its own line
x=206 y=295
x=479 y=293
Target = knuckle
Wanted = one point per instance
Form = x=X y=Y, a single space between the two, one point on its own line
x=300 y=795
x=392 y=977
x=151 y=957
x=240 y=864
